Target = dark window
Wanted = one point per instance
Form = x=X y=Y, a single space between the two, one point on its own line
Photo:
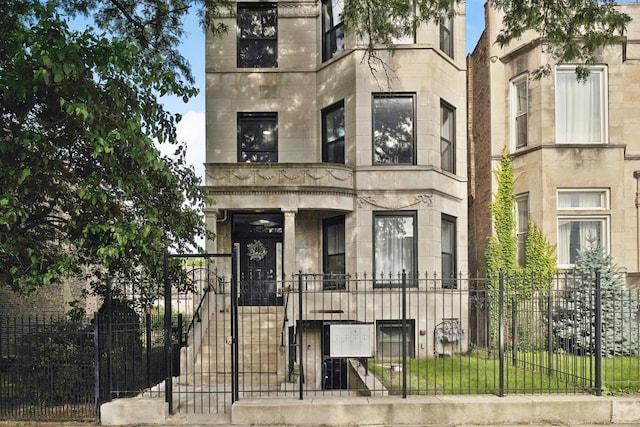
x=446 y=34
x=333 y=133
x=393 y=129
x=257 y=35
x=390 y=339
x=257 y=137
x=394 y=247
x=333 y=40
x=447 y=138
x=448 y=242
x=333 y=254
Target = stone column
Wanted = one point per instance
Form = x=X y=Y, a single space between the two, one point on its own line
x=211 y=217
x=289 y=255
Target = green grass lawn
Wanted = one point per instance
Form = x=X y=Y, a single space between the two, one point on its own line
x=532 y=373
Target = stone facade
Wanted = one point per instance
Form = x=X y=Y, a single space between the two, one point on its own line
x=555 y=172
x=305 y=191
x=299 y=182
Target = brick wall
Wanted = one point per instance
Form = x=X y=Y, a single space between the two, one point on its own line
x=49 y=300
x=480 y=169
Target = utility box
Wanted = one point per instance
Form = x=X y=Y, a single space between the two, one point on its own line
x=349 y=340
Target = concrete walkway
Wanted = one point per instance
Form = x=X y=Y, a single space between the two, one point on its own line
x=435 y=411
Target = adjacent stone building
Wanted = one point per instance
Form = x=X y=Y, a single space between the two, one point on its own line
x=574 y=145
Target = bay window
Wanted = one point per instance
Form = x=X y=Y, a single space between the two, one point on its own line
x=393 y=129
x=333 y=36
x=394 y=247
x=519 y=112
x=581 y=222
x=581 y=106
x=333 y=133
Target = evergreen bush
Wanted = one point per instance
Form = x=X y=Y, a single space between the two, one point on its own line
x=573 y=316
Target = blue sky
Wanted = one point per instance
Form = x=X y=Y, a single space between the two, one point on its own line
x=192 y=127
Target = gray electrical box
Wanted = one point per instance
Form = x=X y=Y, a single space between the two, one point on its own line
x=350 y=340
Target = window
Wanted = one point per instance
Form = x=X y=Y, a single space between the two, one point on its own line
x=519 y=112
x=576 y=234
x=394 y=247
x=583 y=199
x=257 y=35
x=447 y=138
x=581 y=224
x=393 y=134
x=448 y=242
x=446 y=34
x=522 y=224
x=333 y=133
x=581 y=106
x=333 y=40
x=257 y=137
x=333 y=254
x=390 y=339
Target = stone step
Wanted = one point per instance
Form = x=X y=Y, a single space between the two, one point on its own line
x=265 y=381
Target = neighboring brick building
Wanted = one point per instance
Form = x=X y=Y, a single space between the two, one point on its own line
x=576 y=155
x=50 y=300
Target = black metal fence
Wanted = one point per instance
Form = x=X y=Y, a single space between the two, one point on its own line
x=355 y=335
x=47 y=369
x=329 y=335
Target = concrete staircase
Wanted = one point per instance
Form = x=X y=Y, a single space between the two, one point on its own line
x=260 y=356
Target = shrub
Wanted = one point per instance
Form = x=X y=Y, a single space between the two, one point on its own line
x=573 y=316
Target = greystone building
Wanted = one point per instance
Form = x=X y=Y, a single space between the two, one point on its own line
x=574 y=144
x=318 y=164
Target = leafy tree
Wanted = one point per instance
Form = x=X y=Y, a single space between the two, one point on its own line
x=573 y=30
x=574 y=315
x=83 y=184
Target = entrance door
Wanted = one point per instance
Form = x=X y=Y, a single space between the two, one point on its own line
x=258 y=238
x=258 y=277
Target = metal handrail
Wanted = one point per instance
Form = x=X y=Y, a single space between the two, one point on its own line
x=285 y=319
x=196 y=314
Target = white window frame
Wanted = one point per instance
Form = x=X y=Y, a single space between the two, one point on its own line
x=604 y=198
x=604 y=219
x=446 y=28
x=515 y=114
x=587 y=213
x=597 y=70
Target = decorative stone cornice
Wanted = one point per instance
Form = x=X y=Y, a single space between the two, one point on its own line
x=425 y=199
x=306 y=9
x=306 y=176
x=279 y=191
x=289 y=9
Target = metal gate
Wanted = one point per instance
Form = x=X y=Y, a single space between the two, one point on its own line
x=199 y=287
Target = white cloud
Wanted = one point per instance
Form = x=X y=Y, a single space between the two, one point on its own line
x=191 y=130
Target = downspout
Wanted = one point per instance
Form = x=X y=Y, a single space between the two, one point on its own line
x=636 y=175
